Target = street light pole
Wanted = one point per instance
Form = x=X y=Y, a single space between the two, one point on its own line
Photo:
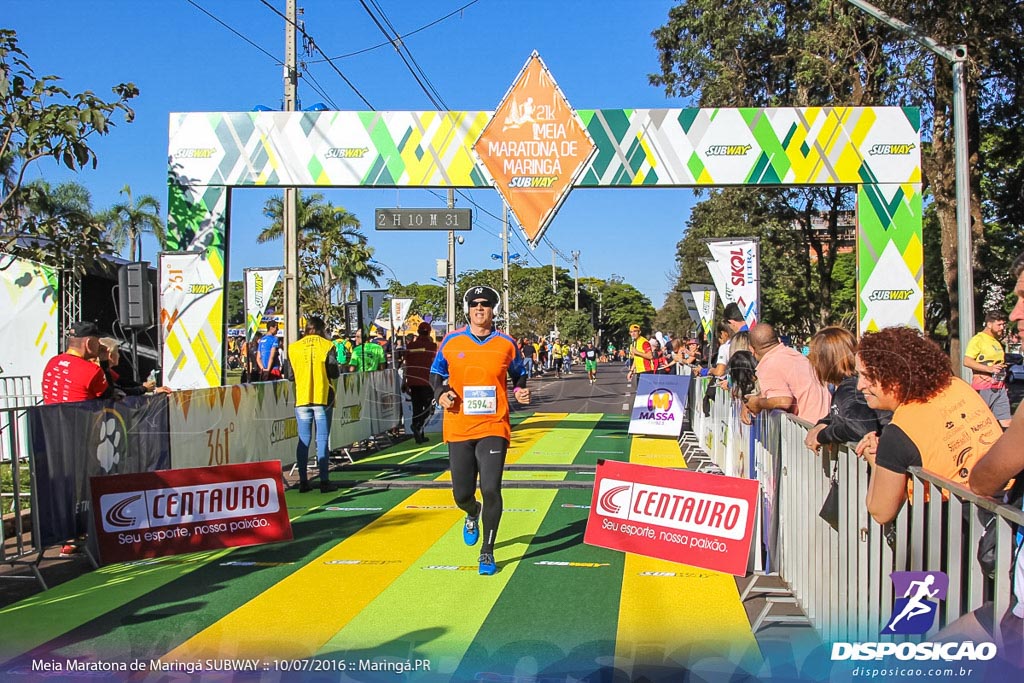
x=957 y=56
x=289 y=216
x=504 y=268
x=451 y=267
x=576 y=275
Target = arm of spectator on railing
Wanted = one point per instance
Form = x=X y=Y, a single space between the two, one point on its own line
x=1003 y=461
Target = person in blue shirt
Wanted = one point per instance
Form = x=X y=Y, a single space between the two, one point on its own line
x=268 y=354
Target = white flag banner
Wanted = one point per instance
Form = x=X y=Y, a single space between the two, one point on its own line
x=718 y=277
x=737 y=263
x=691 y=307
x=400 y=311
x=704 y=296
x=259 y=288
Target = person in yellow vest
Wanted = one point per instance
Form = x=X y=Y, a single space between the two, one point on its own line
x=938 y=423
x=640 y=351
x=314 y=367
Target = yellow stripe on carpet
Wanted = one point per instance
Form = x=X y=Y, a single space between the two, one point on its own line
x=674 y=613
x=296 y=616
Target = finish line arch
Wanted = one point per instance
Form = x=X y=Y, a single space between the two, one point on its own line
x=876 y=149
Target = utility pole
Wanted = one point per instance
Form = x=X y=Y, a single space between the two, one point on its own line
x=554 y=285
x=576 y=275
x=956 y=55
x=451 y=267
x=289 y=217
x=507 y=305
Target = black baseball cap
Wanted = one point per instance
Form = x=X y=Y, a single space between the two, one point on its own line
x=84 y=328
x=481 y=292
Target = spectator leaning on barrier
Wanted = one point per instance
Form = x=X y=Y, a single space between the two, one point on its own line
x=723 y=335
x=787 y=380
x=991 y=474
x=833 y=355
x=313 y=364
x=73 y=375
x=985 y=357
x=124 y=385
x=939 y=423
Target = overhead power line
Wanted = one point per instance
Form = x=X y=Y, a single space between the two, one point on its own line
x=233 y=30
x=311 y=42
x=403 y=36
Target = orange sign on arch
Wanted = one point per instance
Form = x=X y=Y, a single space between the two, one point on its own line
x=534 y=147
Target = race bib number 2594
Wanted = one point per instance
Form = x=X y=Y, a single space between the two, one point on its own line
x=479 y=400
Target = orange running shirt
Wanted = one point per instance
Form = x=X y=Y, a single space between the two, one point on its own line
x=477 y=372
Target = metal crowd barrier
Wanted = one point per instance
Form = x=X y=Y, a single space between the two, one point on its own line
x=19 y=545
x=840 y=580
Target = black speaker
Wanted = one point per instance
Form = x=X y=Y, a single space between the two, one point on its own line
x=135 y=296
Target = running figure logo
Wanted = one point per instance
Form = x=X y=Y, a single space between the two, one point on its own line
x=915 y=611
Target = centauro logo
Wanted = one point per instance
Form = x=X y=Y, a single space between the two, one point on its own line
x=346 y=152
x=195 y=153
x=891 y=295
x=902 y=149
x=200 y=289
x=728 y=150
x=526 y=181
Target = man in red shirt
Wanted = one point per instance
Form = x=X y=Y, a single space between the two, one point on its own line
x=74 y=375
x=419 y=356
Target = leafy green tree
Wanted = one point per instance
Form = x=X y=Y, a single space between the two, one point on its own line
x=60 y=228
x=40 y=119
x=575 y=326
x=427 y=299
x=128 y=220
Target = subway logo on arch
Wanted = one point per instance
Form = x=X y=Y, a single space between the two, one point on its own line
x=673 y=508
x=659 y=406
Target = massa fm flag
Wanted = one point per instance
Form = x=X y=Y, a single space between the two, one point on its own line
x=702 y=520
x=168 y=512
x=259 y=288
x=659 y=405
x=738 y=275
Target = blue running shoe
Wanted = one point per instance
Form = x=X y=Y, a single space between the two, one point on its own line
x=487 y=565
x=471 y=530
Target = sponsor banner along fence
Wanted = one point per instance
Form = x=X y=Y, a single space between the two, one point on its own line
x=660 y=405
x=255 y=422
x=702 y=520
x=72 y=442
x=153 y=514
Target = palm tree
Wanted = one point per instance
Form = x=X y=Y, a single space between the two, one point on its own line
x=331 y=248
x=127 y=221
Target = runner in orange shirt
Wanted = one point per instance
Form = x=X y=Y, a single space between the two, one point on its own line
x=469 y=378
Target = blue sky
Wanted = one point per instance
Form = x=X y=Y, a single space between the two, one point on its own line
x=600 y=52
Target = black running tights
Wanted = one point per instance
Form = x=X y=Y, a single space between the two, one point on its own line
x=485 y=457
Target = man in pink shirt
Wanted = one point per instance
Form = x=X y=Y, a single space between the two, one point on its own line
x=786 y=378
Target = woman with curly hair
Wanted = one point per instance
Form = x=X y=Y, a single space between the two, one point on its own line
x=939 y=423
x=832 y=352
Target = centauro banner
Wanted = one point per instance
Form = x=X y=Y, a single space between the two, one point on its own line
x=192 y=318
x=737 y=263
x=259 y=288
x=28 y=327
x=702 y=520
x=660 y=405
x=704 y=298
